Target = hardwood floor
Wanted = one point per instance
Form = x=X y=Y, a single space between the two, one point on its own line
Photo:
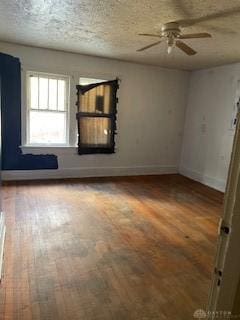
x=108 y=248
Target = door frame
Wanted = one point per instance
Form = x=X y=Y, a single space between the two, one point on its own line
x=224 y=288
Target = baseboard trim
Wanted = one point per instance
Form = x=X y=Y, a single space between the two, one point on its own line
x=8 y=175
x=214 y=183
x=86 y=172
x=2 y=240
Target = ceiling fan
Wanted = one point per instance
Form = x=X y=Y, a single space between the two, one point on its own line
x=172 y=34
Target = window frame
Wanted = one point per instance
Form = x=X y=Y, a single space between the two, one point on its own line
x=66 y=78
x=112 y=116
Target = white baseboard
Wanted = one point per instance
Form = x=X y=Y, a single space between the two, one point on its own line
x=204 y=179
x=111 y=171
x=2 y=239
x=86 y=172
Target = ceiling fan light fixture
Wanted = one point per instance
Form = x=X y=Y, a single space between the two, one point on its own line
x=169 y=49
x=170 y=43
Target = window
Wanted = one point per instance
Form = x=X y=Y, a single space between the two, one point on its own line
x=96 y=115
x=47 y=109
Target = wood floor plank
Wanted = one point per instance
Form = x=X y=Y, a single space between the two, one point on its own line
x=108 y=248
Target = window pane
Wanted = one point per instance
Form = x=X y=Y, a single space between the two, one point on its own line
x=43 y=93
x=96 y=100
x=61 y=95
x=95 y=131
x=33 y=92
x=47 y=127
x=52 y=94
x=107 y=99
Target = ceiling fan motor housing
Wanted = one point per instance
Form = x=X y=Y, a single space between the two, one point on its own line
x=171 y=30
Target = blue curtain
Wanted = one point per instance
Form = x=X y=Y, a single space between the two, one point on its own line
x=12 y=157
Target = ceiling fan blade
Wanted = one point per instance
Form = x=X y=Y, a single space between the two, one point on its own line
x=195 y=35
x=212 y=16
x=150 y=35
x=218 y=29
x=185 y=48
x=149 y=46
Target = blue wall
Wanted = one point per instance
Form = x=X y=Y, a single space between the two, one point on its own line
x=12 y=157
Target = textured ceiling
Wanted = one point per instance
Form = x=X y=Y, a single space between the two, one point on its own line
x=109 y=28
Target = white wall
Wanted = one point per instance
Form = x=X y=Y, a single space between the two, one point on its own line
x=151 y=111
x=208 y=134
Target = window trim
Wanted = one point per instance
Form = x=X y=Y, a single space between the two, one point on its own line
x=66 y=78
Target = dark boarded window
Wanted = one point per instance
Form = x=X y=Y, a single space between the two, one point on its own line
x=96 y=117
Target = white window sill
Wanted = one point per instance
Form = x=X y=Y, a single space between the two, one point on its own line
x=51 y=149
